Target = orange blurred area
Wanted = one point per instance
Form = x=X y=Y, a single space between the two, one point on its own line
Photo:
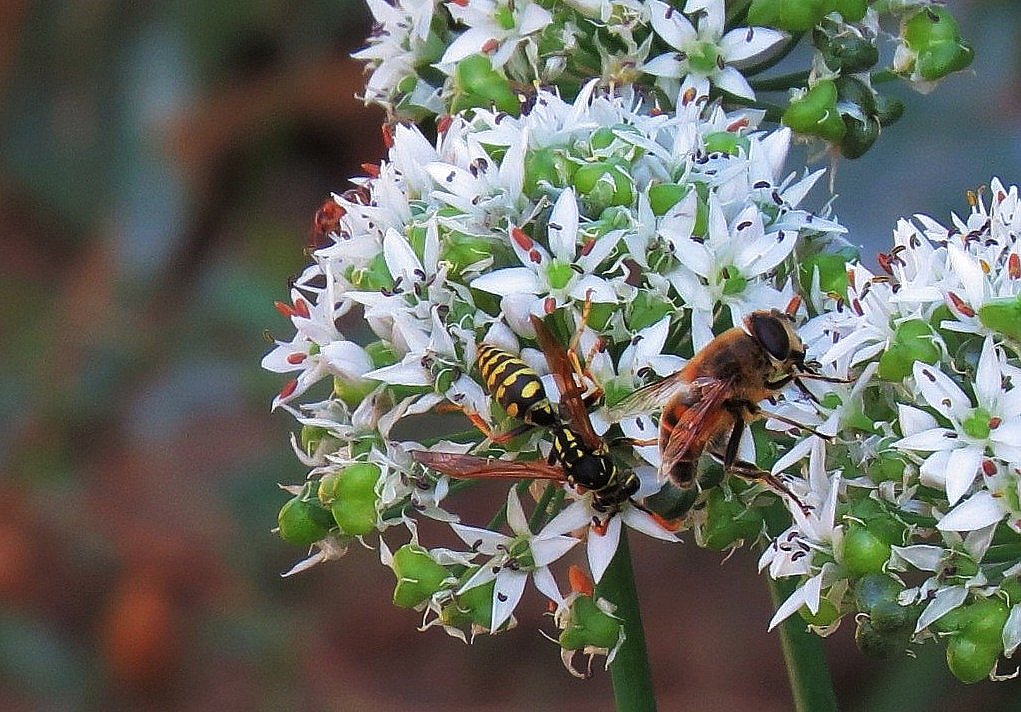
x=161 y=164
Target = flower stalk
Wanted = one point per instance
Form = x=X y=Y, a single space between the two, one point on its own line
x=803 y=652
x=630 y=672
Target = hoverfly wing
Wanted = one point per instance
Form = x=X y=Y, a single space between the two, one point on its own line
x=570 y=392
x=472 y=467
x=650 y=398
x=698 y=415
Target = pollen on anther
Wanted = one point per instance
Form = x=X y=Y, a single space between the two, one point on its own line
x=296 y=358
x=289 y=388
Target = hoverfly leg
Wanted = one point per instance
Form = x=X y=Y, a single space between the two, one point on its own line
x=750 y=471
x=795 y=424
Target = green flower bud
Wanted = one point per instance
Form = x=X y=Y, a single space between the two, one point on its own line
x=472 y=607
x=1003 y=316
x=664 y=196
x=311 y=436
x=827 y=614
x=726 y=142
x=888 y=467
x=935 y=37
x=547 y=165
x=864 y=552
x=353 y=498
x=832 y=269
x=728 y=520
x=418 y=576
x=888 y=109
x=859 y=137
x=874 y=589
x=914 y=340
x=880 y=644
x=604 y=183
x=847 y=53
x=373 y=278
x=381 y=353
x=646 y=310
x=850 y=10
x=302 y=521
x=791 y=15
x=588 y=625
x=352 y=392
x=970 y=660
x=476 y=83
x=815 y=113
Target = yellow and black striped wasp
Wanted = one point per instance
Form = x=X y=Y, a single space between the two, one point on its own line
x=578 y=455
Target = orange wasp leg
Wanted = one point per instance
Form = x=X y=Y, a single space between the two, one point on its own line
x=479 y=422
x=572 y=353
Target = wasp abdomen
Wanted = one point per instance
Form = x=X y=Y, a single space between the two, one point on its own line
x=515 y=386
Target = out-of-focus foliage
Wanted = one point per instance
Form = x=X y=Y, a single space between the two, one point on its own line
x=158 y=164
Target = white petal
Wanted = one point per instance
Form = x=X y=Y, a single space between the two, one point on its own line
x=914 y=420
x=575 y=516
x=506 y=594
x=928 y=440
x=747 y=42
x=943 y=602
x=732 y=81
x=594 y=288
x=547 y=550
x=671 y=25
x=646 y=524
x=563 y=226
x=546 y=584
x=516 y=515
x=988 y=379
x=921 y=556
x=504 y=282
x=602 y=547
x=788 y=607
x=401 y=259
x=961 y=470
x=480 y=539
x=1012 y=631
x=979 y=510
x=408 y=372
x=941 y=392
x=665 y=65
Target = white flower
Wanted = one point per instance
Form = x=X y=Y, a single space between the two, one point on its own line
x=992 y=423
x=704 y=52
x=513 y=559
x=495 y=28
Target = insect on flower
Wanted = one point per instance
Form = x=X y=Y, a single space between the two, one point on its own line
x=706 y=404
x=578 y=455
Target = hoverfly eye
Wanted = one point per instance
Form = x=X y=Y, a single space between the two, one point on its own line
x=771 y=333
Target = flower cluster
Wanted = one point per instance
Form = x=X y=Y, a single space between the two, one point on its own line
x=642 y=233
x=918 y=524
x=427 y=58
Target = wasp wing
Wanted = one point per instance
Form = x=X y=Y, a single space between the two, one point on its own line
x=650 y=398
x=700 y=413
x=472 y=467
x=571 y=394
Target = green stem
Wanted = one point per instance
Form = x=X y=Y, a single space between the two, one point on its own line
x=803 y=652
x=780 y=82
x=629 y=671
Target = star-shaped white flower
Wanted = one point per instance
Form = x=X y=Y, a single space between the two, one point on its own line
x=704 y=53
x=992 y=423
x=495 y=28
x=514 y=558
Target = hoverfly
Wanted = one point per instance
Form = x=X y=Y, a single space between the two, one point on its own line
x=706 y=404
x=578 y=455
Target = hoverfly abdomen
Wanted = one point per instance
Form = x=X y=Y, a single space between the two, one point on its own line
x=515 y=386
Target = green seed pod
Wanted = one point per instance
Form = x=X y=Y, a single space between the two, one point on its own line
x=791 y=15
x=664 y=196
x=477 y=84
x=471 y=607
x=888 y=616
x=832 y=269
x=311 y=437
x=827 y=614
x=604 y=183
x=354 y=498
x=847 y=53
x=873 y=589
x=970 y=660
x=726 y=142
x=589 y=626
x=935 y=37
x=547 y=165
x=352 y=392
x=303 y=522
x=728 y=520
x=914 y=340
x=850 y=10
x=1002 y=315
x=888 y=109
x=815 y=113
x=418 y=576
x=880 y=644
x=864 y=552
x=646 y=310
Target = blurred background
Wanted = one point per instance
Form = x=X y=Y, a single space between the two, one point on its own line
x=159 y=165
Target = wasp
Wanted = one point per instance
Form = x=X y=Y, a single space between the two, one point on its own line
x=577 y=456
x=706 y=404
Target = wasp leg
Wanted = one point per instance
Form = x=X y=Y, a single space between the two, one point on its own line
x=633 y=442
x=572 y=353
x=479 y=422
